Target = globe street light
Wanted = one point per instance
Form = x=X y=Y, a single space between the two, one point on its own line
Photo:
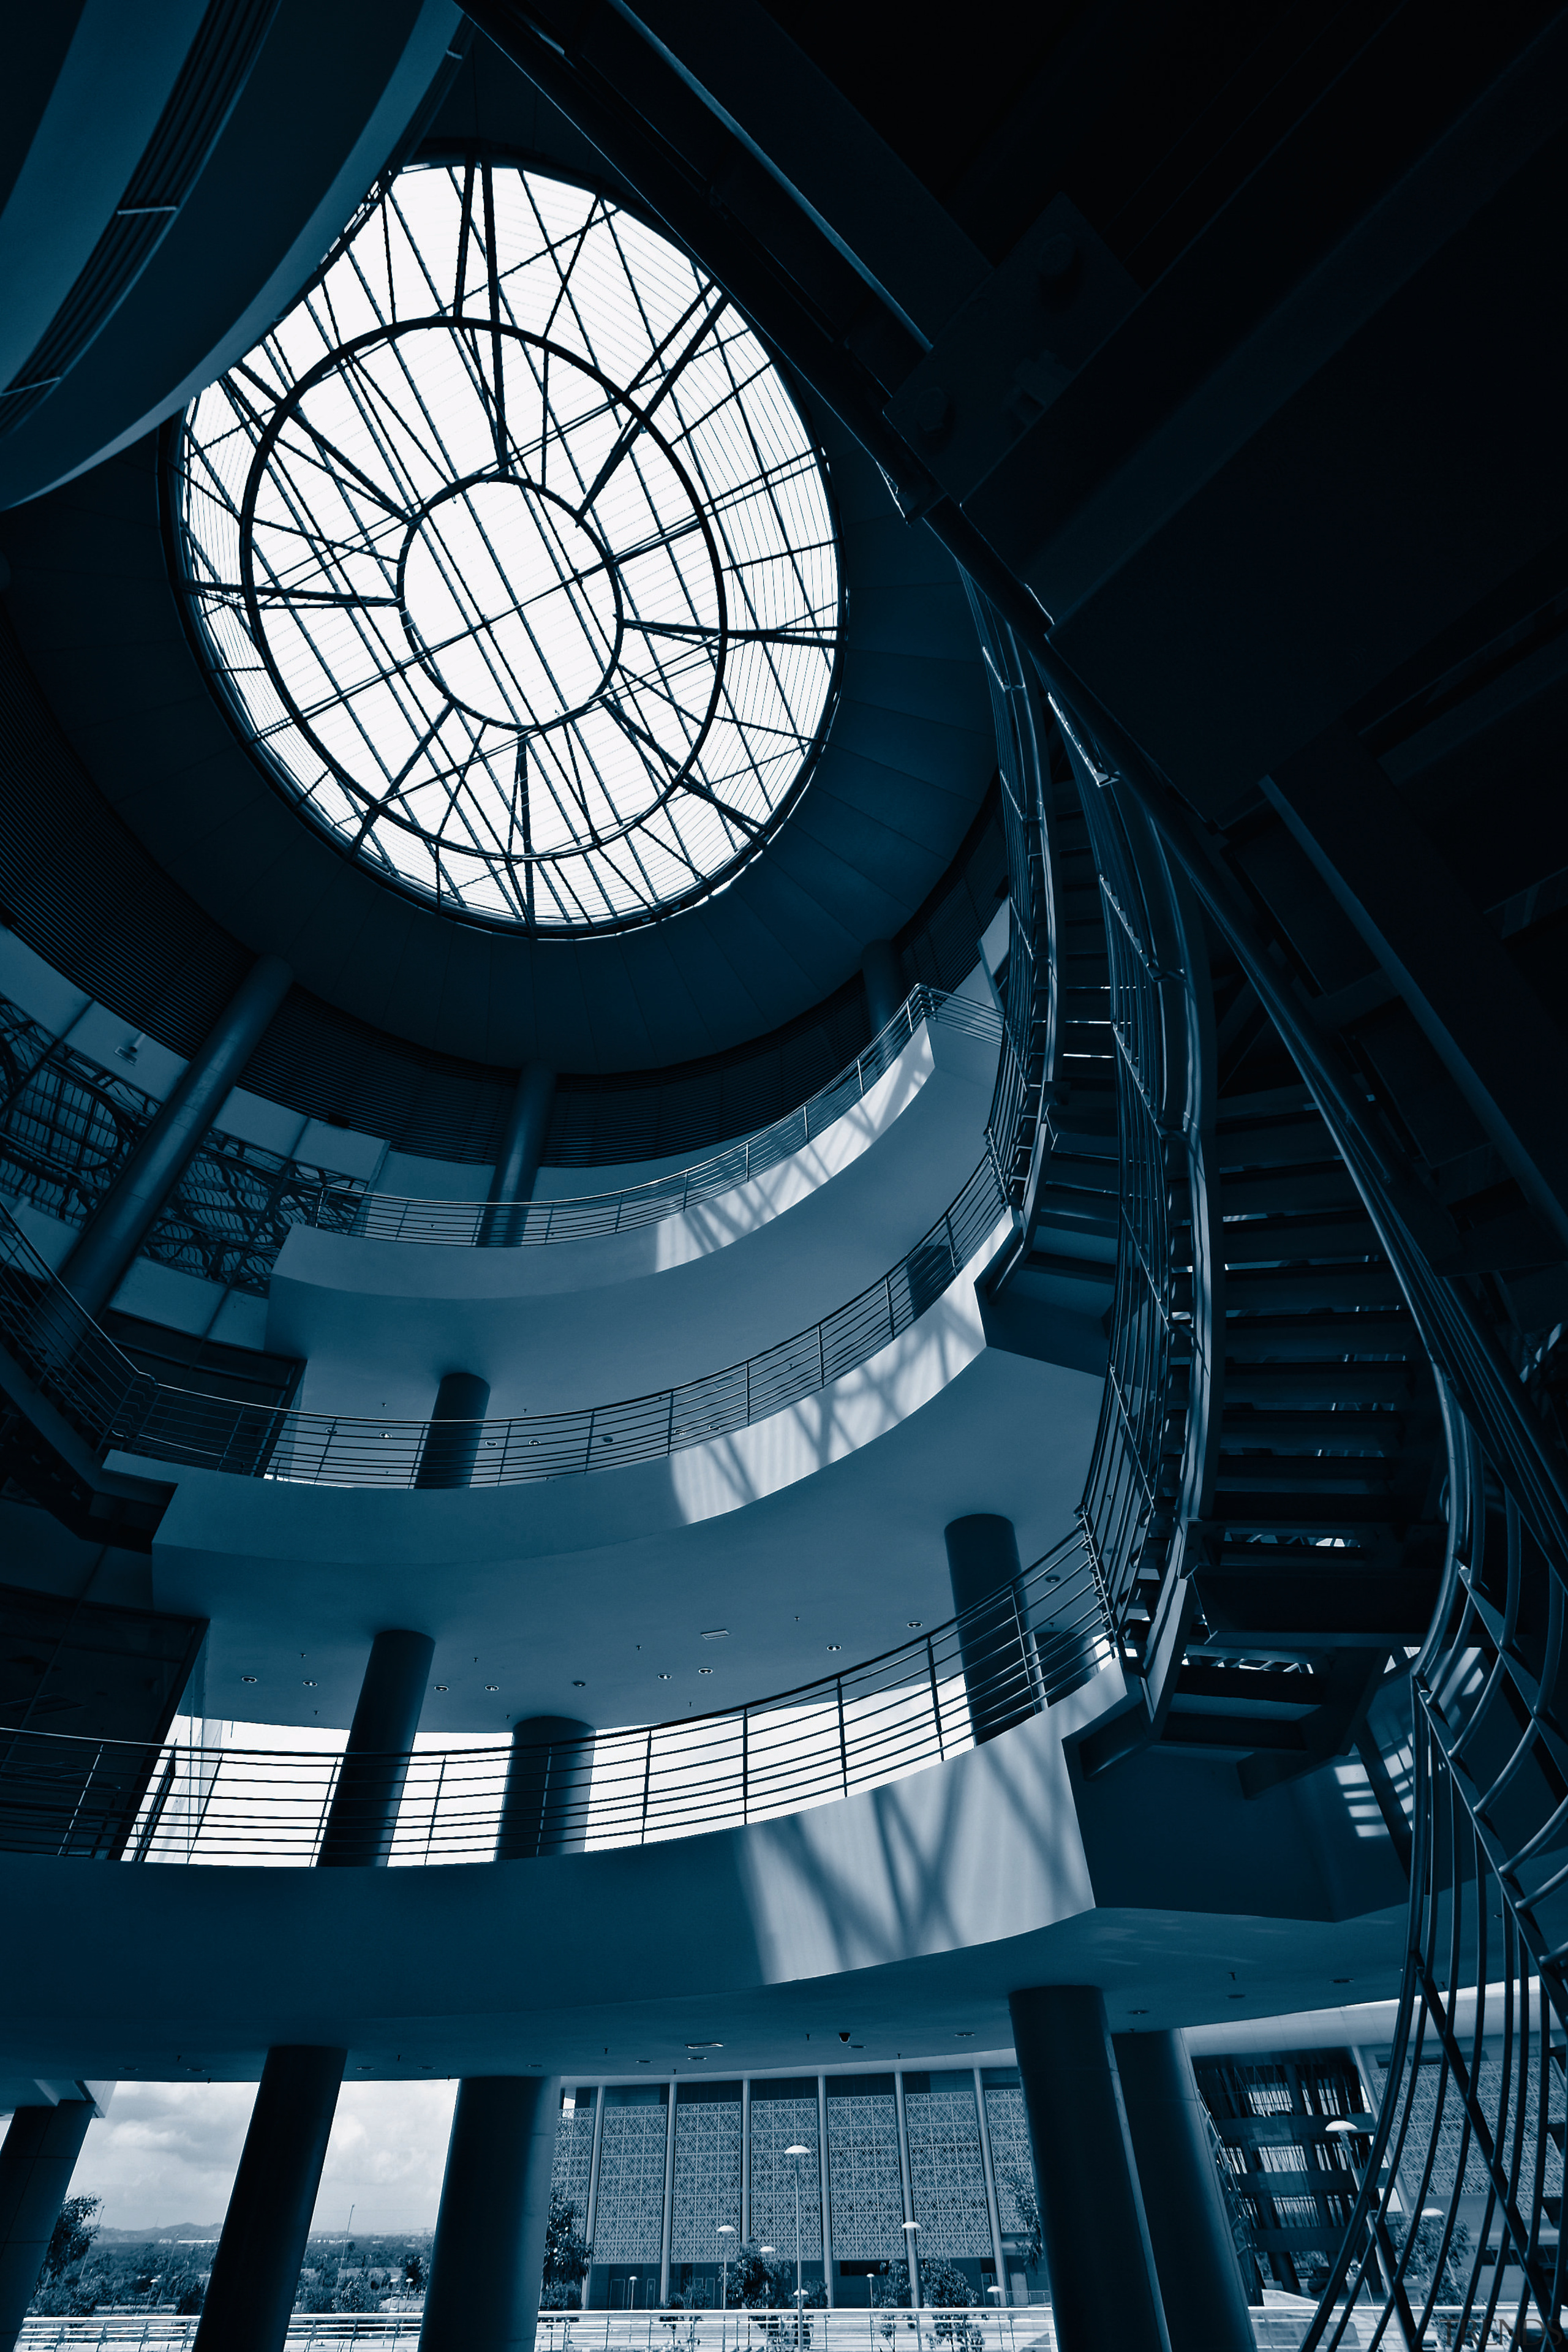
x=797 y=2151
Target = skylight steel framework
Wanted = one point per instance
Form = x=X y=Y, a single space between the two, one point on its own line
x=514 y=558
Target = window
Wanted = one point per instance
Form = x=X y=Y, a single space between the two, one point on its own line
x=514 y=558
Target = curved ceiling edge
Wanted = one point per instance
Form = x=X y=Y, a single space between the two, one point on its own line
x=907 y=763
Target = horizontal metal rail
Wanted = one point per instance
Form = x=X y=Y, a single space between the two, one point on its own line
x=965 y=2328
x=913 y=1706
x=80 y=1371
x=476 y=1224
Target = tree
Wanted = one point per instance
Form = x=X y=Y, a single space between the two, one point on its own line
x=71 y=2237
x=414 y=2272
x=356 y=2293
x=762 y=2281
x=1426 y=2244
x=567 y=2255
x=1028 y=2206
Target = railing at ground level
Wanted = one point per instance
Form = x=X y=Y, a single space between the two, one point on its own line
x=474 y=1224
x=980 y=2329
x=78 y=1369
x=1010 y=1657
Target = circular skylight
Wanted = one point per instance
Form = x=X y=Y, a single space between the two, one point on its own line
x=514 y=557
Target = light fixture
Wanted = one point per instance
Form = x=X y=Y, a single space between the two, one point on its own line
x=576 y=1686
x=493 y=1686
x=308 y=1684
x=441 y=1686
x=965 y=2033
x=247 y=1678
x=911 y=2227
x=1340 y=2124
x=704 y=1670
x=836 y=1645
x=663 y=1678
x=914 y=1623
x=797 y=2150
x=716 y=1634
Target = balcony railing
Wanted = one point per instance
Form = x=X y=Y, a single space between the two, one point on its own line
x=1015 y=1655
x=81 y=1372
x=68 y=1125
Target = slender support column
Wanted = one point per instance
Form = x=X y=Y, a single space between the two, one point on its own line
x=594 y=2168
x=128 y=1210
x=993 y=2211
x=745 y=2158
x=521 y=1151
x=363 y=1817
x=36 y=2162
x=1195 y=2255
x=250 y=2295
x=1102 y=2265
x=487 y=2262
x=999 y=1672
x=452 y=1444
x=549 y=1778
x=884 y=979
x=905 y=2183
x=668 y=2209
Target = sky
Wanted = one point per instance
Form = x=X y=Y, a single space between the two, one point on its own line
x=168 y=2152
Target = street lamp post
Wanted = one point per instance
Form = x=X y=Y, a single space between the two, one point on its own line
x=797 y=2151
x=726 y=2229
x=911 y=2232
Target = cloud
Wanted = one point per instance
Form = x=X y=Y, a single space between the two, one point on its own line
x=168 y=2152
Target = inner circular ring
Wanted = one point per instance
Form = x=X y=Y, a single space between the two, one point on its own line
x=510 y=603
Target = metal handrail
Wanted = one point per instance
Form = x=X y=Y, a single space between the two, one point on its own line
x=479 y=1224
x=80 y=1371
x=237 y=1203
x=877 y=1722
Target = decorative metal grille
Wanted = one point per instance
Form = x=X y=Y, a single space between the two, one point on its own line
x=863 y=2177
x=628 y=2217
x=514 y=556
x=778 y=2124
x=574 y=2156
x=1012 y=2158
x=947 y=2171
x=706 y=2179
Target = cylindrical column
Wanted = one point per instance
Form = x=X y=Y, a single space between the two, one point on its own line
x=363 y=1816
x=999 y=1673
x=549 y=1777
x=745 y=2157
x=487 y=2261
x=884 y=979
x=521 y=1151
x=1101 y=2266
x=250 y=2295
x=1194 y=2254
x=128 y=1210
x=825 y=2187
x=906 y=2184
x=452 y=1442
x=992 y=2210
x=668 y=2220
x=36 y=2162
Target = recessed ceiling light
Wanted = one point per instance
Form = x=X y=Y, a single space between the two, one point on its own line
x=247 y=1678
x=441 y=1686
x=579 y=1686
x=965 y=2033
x=308 y=1684
x=716 y=1633
x=645 y=2061
x=704 y=1670
x=663 y=1678
x=1137 y=2012
x=493 y=1686
x=914 y=1623
x=836 y=1645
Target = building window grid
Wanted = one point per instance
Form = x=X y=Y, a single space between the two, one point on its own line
x=706 y=2179
x=864 y=2184
x=947 y=2171
x=1424 y=2125
x=778 y=2124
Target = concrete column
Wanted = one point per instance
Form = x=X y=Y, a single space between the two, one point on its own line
x=1098 y=2252
x=487 y=2262
x=1189 y=2228
x=250 y=2295
x=36 y=2162
x=128 y=1209
x=452 y=1442
x=363 y=1816
x=594 y=2173
x=668 y=2217
x=883 y=975
x=993 y=2209
x=745 y=2158
x=549 y=1777
x=998 y=1656
x=906 y=2184
x=521 y=1151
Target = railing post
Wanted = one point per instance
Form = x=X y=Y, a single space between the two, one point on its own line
x=935 y=1697
x=843 y=1741
x=745 y=1765
x=647 y=1782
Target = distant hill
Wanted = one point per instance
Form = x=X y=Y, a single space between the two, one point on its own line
x=158 y=2233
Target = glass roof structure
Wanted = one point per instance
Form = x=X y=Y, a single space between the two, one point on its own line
x=514 y=558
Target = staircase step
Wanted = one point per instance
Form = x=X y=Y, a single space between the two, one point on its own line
x=1285 y=1143
x=1321 y=1339
x=1278 y=1385
x=1311 y=1433
x=1266 y=1241
x=1287 y=1192
x=1336 y=1289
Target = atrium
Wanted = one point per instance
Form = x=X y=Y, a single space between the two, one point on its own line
x=784 y=1292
